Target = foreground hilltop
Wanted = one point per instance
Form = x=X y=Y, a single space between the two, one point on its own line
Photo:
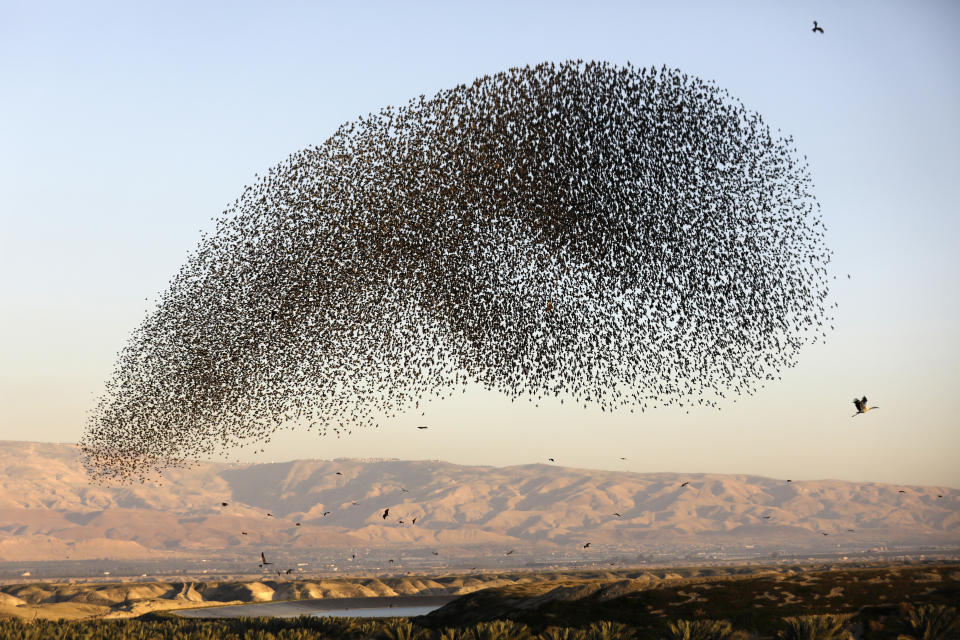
x=49 y=511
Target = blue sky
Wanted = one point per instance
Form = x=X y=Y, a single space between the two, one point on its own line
x=125 y=129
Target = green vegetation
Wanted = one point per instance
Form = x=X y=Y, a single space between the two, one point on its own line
x=822 y=627
x=927 y=622
x=933 y=622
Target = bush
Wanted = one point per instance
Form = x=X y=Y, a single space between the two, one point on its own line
x=822 y=627
x=700 y=630
x=501 y=630
x=933 y=622
x=608 y=631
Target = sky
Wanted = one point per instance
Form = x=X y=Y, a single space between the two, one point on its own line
x=125 y=129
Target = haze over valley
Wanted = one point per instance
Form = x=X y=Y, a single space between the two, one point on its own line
x=544 y=513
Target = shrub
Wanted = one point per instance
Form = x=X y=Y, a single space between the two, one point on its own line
x=700 y=630
x=500 y=630
x=401 y=630
x=822 y=627
x=933 y=622
x=608 y=631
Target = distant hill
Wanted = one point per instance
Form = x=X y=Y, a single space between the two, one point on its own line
x=49 y=511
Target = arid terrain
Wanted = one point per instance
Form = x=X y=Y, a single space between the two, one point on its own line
x=50 y=512
x=638 y=603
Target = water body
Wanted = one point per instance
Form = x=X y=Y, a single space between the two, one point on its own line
x=401 y=606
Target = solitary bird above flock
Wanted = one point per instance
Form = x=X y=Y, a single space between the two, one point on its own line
x=861 y=406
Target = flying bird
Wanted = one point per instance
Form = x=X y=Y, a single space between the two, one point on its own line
x=422 y=427
x=551 y=459
x=243 y=533
x=298 y=524
x=269 y=515
x=509 y=552
x=339 y=474
x=586 y=545
x=617 y=514
x=263 y=559
x=861 y=406
x=685 y=483
x=901 y=491
x=386 y=512
x=414 y=521
x=817 y=28
x=224 y=504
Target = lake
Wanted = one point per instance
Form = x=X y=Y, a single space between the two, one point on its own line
x=399 y=606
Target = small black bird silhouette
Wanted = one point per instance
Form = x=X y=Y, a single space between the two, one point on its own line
x=414 y=521
x=767 y=517
x=243 y=533
x=436 y=553
x=263 y=559
x=324 y=513
x=623 y=458
x=509 y=552
x=551 y=459
x=391 y=560
x=404 y=490
x=386 y=512
x=339 y=474
x=586 y=545
x=298 y=524
x=422 y=427
x=789 y=480
x=224 y=504
x=824 y=533
x=617 y=514
x=939 y=495
x=817 y=28
x=289 y=571
x=852 y=530
x=685 y=484
x=269 y=515
x=901 y=491
x=353 y=556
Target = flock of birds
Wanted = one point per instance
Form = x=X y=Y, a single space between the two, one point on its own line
x=616 y=235
x=613 y=235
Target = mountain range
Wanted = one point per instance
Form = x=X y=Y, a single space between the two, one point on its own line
x=49 y=510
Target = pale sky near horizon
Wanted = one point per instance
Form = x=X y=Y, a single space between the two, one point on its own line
x=124 y=129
